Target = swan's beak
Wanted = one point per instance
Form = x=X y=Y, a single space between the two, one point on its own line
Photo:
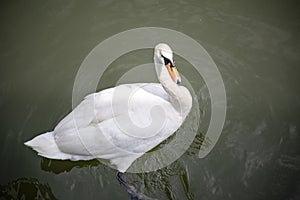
x=173 y=73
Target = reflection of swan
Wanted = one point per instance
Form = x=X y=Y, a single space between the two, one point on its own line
x=118 y=125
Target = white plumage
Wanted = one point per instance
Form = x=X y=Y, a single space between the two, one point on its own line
x=120 y=124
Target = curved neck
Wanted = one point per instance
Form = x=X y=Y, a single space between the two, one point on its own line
x=179 y=95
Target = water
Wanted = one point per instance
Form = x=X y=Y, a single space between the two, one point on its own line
x=255 y=45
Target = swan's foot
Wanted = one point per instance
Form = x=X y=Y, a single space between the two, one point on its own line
x=134 y=195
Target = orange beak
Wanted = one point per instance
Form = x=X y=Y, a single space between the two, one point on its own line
x=173 y=73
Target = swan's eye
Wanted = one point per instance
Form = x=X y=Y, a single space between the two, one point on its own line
x=167 y=61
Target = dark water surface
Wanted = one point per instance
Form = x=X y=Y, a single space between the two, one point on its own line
x=256 y=46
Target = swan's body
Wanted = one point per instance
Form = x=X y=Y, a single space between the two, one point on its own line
x=118 y=124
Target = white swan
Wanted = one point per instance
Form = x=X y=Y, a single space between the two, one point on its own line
x=118 y=125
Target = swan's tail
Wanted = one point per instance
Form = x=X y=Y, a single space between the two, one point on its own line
x=46 y=146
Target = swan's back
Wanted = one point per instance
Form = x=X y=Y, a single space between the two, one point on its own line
x=115 y=124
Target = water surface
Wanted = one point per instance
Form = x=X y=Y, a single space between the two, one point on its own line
x=255 y=45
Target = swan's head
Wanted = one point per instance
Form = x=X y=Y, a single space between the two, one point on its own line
x=163 y=56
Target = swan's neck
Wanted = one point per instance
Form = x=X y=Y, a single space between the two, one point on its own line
x=179 y=95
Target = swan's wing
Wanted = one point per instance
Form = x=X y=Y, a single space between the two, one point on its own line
x=98 y=127
x=110 y=102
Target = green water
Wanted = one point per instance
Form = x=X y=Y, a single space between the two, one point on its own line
x=256 y=46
